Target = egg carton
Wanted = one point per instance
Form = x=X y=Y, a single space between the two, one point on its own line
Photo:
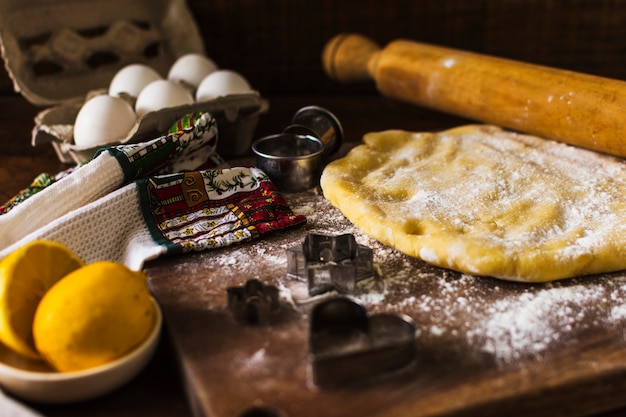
x=59 y=53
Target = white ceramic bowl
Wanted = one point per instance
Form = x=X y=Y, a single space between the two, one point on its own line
x=35 y=381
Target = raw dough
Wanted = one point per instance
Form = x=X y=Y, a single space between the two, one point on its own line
x=486 y=201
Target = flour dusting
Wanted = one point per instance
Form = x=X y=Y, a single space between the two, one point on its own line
x=482 y=200
x=506 y=320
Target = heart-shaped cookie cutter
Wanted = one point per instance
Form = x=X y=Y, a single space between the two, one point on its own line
x=330 y=263
x=348 y=346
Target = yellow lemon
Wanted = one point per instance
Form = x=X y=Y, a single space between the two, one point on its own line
x=25 y=276
x=94 y=315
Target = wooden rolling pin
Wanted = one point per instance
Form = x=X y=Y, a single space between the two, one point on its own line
x=579 y=109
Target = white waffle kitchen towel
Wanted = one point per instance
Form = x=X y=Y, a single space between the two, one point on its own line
x=133 y=203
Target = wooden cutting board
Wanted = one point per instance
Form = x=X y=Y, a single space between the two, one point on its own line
x=483 y=347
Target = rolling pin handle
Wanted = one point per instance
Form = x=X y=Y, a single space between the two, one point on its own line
x=350 y=57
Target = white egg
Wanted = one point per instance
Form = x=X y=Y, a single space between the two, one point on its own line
x=102 y=120
x=191 y=69
x=161 y=94
x=132 y=79
x=222 y=83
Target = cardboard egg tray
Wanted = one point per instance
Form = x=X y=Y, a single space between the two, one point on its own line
x=60 y=53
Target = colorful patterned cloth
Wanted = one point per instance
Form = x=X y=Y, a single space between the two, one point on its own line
x=209 y=209
x=188 y=145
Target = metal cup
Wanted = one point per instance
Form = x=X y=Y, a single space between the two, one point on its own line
x=293 y=162
x=320 y=123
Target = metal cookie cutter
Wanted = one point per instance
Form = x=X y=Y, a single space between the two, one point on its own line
x=348 y=346
x=330 y=263
x=294 y=159
x=320 y=123
x=253 y=303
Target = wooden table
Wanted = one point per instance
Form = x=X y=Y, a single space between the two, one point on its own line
x=158 y=390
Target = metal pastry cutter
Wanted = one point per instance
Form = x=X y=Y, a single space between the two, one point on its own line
x=253 y=303
x=348 y=346
x=320 y=123
x=294 y=159
x=330 y=263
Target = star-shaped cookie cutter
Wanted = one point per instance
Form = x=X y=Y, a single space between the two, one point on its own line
x=253 y=303
x=330 y=263
x=348 y=346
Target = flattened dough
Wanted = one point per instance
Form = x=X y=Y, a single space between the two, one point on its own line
x=486 y=201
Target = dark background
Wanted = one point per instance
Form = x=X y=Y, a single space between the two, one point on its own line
x=277 y=44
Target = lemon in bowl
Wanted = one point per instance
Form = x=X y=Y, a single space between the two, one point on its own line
x=90 y=330
x=92 y=316
x=26 y=274
x=36 y=381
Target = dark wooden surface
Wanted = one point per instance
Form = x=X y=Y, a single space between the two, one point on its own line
x=159 y=390
x=232 y=368
x=277 y=45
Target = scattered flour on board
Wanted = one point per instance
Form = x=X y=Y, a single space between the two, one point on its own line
x=510 y=321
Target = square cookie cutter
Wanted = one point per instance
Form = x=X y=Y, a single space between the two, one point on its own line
x=330 y=263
